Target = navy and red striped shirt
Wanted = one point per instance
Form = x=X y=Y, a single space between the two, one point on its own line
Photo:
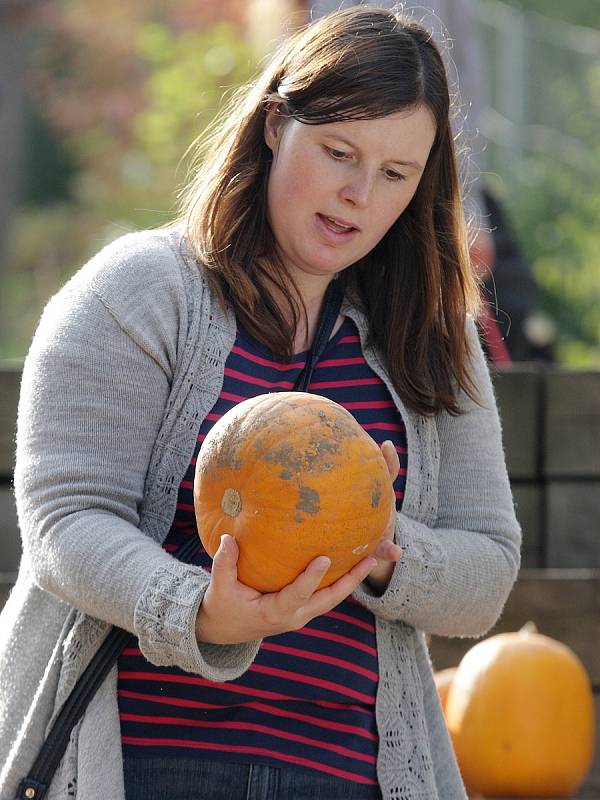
x=308 y=699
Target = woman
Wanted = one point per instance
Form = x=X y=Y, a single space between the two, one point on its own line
x=338 y=162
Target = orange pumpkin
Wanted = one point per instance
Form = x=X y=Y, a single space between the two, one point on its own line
x=520 y=712
x=292 y=476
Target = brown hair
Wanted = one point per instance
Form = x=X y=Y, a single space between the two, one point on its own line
x=416 y=286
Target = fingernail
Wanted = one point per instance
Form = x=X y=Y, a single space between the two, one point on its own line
x=323 y=563
x=223 y=545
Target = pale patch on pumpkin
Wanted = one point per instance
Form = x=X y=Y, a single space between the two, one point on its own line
x=231 y=502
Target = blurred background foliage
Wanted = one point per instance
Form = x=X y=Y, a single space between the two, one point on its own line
x=552 y=187
x=117 y=92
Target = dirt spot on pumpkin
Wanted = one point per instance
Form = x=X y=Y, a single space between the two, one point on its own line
x=316 y=456
x=310 y=502
x=376 y=495
x=223 y=453
x=312 y=448
x=342 y=426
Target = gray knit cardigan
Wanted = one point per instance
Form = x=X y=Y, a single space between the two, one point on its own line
x=127 y=361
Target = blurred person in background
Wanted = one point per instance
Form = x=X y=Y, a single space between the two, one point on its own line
x=330 y=184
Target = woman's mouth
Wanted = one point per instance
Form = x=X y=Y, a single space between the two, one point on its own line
x=334 y=229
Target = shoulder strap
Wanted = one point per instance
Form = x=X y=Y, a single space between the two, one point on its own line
x=332 y=302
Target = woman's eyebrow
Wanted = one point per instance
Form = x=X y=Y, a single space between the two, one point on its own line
x=413 y=164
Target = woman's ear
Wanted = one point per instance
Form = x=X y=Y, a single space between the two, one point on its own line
x=274 y=122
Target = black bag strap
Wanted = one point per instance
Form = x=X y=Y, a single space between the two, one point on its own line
x=36 y=784
x=332 y=303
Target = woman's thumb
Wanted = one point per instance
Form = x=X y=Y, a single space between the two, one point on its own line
x=225 y=559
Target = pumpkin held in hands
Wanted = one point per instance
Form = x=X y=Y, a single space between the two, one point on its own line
x=291 y=476
x=520 y=712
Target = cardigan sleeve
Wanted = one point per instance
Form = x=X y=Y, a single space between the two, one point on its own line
x=95 y=387
x=453 y=578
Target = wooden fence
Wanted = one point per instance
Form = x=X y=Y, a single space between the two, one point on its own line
x=551 y=423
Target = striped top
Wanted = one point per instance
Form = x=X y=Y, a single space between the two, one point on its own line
x=308 y=699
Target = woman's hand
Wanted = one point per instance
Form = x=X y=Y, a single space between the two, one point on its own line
x=387 y=552
x=232 y=612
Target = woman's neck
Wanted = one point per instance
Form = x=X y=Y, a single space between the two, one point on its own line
x=307 y=326
x=312 y=292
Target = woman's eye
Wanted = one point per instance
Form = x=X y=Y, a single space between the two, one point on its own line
x=337 y=154
x=394 y=176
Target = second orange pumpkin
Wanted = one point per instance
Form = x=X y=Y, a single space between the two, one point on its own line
x=520 y=711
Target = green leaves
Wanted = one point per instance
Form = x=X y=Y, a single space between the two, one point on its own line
x=187 y=75
x=125 y=92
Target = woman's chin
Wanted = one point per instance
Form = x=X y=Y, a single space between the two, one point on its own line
x=321 y=265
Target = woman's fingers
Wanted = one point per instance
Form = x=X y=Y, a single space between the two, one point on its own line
x=296 y=594
x=391 y=459
x=303 y=598
x=386 y=550
x=232 y=612
x=329 y=597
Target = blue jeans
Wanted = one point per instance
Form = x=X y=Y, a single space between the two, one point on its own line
x=190 y=779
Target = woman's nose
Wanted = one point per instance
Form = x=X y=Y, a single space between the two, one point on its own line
x=358 y=191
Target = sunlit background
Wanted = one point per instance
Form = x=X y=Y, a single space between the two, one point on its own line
x=100 y=100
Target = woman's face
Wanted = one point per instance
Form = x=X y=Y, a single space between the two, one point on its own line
x=335 y=189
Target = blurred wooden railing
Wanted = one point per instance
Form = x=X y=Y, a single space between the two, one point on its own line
x=551 y=423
